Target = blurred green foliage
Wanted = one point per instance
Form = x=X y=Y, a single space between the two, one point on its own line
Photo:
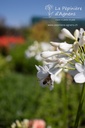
x=22 y=97
x=19 y=61
x=4 y=66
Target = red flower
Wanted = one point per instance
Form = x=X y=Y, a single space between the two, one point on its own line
x=5 y=41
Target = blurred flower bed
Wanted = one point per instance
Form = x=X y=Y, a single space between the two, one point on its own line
x=21 y=97
x=37 y=123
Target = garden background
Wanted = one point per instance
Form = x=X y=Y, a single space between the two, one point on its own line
x=21 y=43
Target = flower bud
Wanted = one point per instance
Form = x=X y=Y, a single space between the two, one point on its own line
x=67 y=33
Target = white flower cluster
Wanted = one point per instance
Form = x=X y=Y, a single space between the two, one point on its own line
x=65 y=56
x=22 y=124
x=36 y=48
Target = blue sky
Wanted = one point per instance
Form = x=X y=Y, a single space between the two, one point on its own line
x=20 y=12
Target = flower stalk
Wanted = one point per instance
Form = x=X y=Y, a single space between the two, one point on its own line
x=78 y=115
x=65 y=102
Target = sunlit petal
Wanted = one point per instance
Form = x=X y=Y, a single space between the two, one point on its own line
x=79 y=78
x=76 y=33
x=67 y=33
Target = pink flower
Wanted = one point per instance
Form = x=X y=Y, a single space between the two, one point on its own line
x=37 y=123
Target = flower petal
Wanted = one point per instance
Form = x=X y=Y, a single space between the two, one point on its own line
x=79 y=67
x=42 y=72
x=67 y=33
x=56 y=43
x=57 y=79
x=76 y=33
x=52 y=77
x=79 y=78
x=83 y=39
x=42 y=75
x=47 y=54
x=37 y=67
x=75 y=46
x=81 y=32
x=63 y=45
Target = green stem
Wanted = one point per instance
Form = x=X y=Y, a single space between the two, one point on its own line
x=79 y=107
x=65 y=102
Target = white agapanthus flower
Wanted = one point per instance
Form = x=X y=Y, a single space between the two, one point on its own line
x=80 y=77
x=32 y=50
x=36 y=48
x=79 y=46
x=47 y=75
x=65 y=56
